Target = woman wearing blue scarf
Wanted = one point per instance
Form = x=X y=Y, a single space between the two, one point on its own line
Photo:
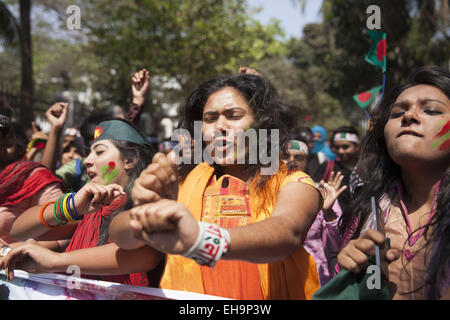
x=320 y=144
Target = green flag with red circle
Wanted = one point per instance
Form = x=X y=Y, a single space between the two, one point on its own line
x=365 y=99
x=377 y=53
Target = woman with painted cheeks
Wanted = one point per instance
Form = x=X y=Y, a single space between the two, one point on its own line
x=408 y=145
x=119 y=153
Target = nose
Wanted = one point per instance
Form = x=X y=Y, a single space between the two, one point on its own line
x=411 y=115
x=221 y=124
x=88 y=161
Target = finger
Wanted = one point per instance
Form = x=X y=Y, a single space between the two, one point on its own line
x=164 y=215
x=136 y=229
x=142 y=195
x=375 y=236
x=340 y=191
x=167 y=175
x=338 y=181
x=331 y=177
x=392 y=254
x=366 y=246
x=345 y=262
x=156 y=216
x=150 y=180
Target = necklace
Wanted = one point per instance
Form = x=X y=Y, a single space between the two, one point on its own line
x=412 y=239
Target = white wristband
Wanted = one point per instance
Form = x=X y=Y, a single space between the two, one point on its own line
x=211 y=244
x=5 y=250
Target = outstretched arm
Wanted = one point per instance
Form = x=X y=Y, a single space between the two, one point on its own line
x=56 y=115
x=140 y=86
x=87 y=200
x=168 y=226
x=108 y=259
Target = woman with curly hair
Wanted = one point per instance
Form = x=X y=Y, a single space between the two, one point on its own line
x=407 y=149
x=234 y=212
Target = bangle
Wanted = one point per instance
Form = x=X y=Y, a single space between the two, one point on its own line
x=65 y=208
x=5 y=250
x=73 y=212
x=211 y=244
x=57 y=211
x=41 y=216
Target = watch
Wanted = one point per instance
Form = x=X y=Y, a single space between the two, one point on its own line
x=5 y=250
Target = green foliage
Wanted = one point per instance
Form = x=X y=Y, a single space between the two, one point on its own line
x=189 y=41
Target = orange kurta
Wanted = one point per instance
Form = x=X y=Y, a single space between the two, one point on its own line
x=294 y=278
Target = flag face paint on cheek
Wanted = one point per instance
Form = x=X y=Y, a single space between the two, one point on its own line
x=109 y=172
x=443 y=138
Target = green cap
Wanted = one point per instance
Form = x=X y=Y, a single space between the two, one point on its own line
x=120 y=130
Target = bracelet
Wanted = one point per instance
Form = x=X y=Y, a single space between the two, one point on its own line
x=211 y=244
x=57 y=211
x=73 y=214
x=5 y=250
x=41 y=215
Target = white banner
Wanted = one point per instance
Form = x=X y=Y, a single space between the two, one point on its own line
x=51 y=286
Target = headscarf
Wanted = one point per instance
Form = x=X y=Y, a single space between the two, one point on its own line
x=320 y=145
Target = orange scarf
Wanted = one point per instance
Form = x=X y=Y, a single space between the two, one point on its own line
x=294 y=278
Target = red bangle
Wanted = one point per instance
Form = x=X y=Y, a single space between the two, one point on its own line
x=41 y=215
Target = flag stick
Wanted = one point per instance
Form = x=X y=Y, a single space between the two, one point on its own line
x=367 y=114
x=375 y=226
x=384 y=83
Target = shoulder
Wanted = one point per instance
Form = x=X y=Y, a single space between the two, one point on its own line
x=304 y=180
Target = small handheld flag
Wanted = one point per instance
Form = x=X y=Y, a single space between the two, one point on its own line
x=377 y=53
x=365 y=99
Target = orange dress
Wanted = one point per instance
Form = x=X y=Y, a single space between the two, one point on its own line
x=228 y=202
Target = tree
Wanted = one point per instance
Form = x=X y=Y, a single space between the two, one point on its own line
x=13 y=32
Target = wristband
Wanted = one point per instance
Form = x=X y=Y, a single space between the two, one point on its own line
x=5 y=250
x=211 y=244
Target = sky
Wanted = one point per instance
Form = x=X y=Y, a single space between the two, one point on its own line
x=291 y=18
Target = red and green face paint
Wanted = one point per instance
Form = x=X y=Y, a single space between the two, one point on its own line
x=442 y=139
x=109 y=172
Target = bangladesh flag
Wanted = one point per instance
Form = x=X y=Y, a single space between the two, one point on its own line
x=377 y=53
x=365 y=99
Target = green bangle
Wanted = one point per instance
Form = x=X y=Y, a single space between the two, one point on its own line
x=61 y=210
x=55 y=213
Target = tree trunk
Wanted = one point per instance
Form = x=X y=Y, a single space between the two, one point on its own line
x=26 y=94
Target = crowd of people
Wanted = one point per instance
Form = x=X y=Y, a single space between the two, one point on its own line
x=105 y=198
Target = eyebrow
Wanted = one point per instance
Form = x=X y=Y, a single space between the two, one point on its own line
x=225 y=110
x=421 y=101
x=98 y=145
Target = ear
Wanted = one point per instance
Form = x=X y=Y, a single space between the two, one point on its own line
x=128 y=164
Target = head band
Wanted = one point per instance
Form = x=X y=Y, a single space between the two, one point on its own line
x=5 y=121
x=346 y=136
x=298 y=146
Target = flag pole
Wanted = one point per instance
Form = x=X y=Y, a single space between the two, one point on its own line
x=384 y=83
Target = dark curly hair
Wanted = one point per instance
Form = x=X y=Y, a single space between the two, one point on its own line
x=269 y=109
x=384 y=172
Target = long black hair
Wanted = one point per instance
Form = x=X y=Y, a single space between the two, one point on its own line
x=384 y=172
x=141 y=156
x=270 y=110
